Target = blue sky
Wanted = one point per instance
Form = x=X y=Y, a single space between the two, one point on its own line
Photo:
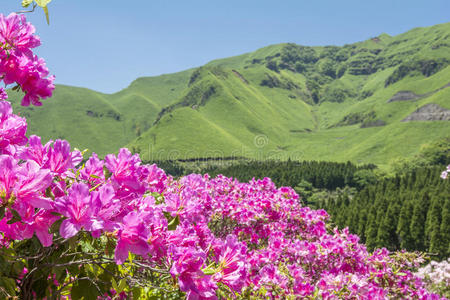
x=104 y=45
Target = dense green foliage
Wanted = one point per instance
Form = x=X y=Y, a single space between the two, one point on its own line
x=410 y=212
x=316 y=174
x=436 y=153
x=325 y=175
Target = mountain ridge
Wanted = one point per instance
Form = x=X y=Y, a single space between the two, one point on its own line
x=281 y=101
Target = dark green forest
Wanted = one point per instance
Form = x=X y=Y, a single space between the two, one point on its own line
x=409 y=212
x=320 y=175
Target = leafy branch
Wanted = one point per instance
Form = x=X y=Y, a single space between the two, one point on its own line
x=34 y=3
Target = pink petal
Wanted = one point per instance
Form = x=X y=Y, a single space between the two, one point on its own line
x=67 y=229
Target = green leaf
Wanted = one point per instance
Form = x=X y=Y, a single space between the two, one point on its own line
x=84 y=289
x=43 y=3
x=209 y=271
x=73 y=242
x=55 y=226
x=174 y=223
x=8 y=285
x=16 y=214
x=45 y=8
x=114 y=284
x=89 y=268
x=86 y=246
x=16 y=217
x=2 y=212
x=136 y=293
x=17 y=269
x=66 y=290
x=26 y=3
x=122 y=285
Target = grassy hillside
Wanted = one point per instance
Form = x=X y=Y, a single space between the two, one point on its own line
x=99 y=122
x=282 y=101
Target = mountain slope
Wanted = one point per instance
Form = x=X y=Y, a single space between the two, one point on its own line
x=282 y=101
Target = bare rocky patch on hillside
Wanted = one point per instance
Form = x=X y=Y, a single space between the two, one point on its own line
x=404 y=96
x=408 y=95
x=429 y=112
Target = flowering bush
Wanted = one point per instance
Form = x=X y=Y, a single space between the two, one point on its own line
x=18 y=64
x=437 y=276
x=115 y=228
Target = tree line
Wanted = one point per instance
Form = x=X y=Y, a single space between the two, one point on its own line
x=320 y=174
x=411 y=212
x=323 y=175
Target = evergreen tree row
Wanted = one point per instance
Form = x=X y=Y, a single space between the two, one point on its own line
x=323 y=175
x=409 y=212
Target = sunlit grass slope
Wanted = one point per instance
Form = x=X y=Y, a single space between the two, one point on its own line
x=282 y=101
x=99 y=122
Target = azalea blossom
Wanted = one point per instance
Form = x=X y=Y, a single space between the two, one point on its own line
x=79 y=209
x=132 y=237
x=18 y=64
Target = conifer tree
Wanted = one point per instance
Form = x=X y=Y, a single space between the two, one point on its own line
x=372 y=229
x=417 y=227
x=437 y=239
x=445 y=226
x=404 y=223
x=386 y=235
x=362 y=221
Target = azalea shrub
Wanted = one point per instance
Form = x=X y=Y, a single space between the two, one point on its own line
x=115 y=228
x=18 y=64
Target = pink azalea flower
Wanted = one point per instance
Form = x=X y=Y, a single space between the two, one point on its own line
x=79 y=209
x=12 y=129
x=16 y=33
x=34 y=80
x=124 y=169
x=17 y=62
x=56 y=156
x=25 y=182
x=30 y=73
x=132 y=237
x=191 y=279
x=33 y=223
x=157 y=225
x=124 y=165
x=61 y=159
x=107 y=207
x=31 y=185
x=232 y=270
x=35 y=151
x=154 y=177
x=93 y=170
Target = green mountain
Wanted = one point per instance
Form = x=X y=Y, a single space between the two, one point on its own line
x=372 y=101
